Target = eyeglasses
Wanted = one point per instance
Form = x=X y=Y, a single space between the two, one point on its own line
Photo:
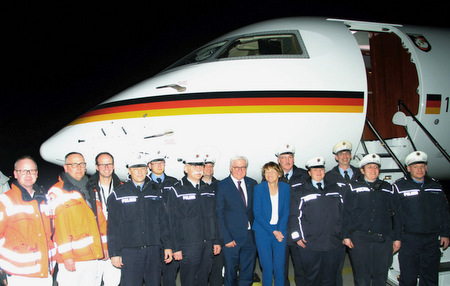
x=76 y=165
x=238 y=168
x=160 y=163
x=24 y=172
x=108 y=165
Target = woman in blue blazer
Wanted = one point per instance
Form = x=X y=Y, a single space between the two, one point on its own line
x=271 y=211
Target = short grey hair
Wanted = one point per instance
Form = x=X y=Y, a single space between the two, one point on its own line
x=238 y=157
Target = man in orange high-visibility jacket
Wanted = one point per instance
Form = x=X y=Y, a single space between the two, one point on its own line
x=76 y=230
x=26 y=249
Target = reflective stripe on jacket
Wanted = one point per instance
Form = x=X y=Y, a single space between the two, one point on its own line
x=25 y=244
x=76 y=232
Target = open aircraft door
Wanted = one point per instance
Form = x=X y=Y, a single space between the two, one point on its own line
x=398 y=70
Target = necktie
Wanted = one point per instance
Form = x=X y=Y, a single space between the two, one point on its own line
x=319 y=186
x=138 y=188
x=286 y=176
x=346 y=176
x=159 y=180
x=242 y=192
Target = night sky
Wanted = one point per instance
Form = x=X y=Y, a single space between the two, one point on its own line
x=60 y=60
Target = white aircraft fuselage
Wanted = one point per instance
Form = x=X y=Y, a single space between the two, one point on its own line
x=298 y=81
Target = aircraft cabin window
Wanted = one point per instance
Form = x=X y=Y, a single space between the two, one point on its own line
x=263 y=45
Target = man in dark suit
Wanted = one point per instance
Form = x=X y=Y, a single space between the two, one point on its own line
x=235 y=211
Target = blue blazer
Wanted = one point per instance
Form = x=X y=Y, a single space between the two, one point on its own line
x=232 y=212
x=262 y=208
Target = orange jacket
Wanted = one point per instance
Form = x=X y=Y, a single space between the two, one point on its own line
x=76 y=231
x=26 y=248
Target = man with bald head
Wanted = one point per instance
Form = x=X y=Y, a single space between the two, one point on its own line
x=76 y=229
x=25 y=229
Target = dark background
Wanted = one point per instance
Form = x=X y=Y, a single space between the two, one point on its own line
x=61 y=59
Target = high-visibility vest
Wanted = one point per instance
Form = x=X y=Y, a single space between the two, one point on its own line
x=26 y=247
x=76 y=232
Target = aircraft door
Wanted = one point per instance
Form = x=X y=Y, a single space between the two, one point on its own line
x=391 y=76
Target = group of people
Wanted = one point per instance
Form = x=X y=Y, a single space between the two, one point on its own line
x=152 y=226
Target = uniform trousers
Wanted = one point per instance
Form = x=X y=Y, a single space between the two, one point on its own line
x=216 y=275
x=108 y=273
x=170 y=271
x=240 y=258
x=299 y=275
x=321 y=267
x=196 y=263
x=141 y=265
x=371 y=258
x=419 y=256
x=271 y=255
x=84 y=275
x=16 y=280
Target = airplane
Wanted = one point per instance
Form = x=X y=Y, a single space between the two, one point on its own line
x=305 y=81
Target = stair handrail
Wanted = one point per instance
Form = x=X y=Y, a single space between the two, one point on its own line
x=385 y=145
x=434 y=141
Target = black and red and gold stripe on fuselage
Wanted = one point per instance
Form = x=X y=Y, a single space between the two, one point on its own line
x=228 y=103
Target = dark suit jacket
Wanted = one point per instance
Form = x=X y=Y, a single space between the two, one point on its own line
x=233 y=214
x=262 y=208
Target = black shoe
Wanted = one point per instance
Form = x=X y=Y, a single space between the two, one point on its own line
x=256 y=278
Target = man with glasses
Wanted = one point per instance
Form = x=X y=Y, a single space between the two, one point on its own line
x=159 y=180
x=195 y=228
x=138 y=228
x=100 y=186
x=25 y=229
x=76 y=229
x=235 y=211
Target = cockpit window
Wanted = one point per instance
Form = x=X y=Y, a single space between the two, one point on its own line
x=281 y=44
x=200 y=55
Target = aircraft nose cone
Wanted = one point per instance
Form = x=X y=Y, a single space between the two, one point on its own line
x=53 y=149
